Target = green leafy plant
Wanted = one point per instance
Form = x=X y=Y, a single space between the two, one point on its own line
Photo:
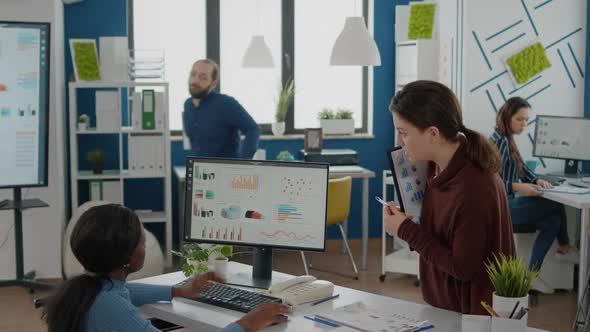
x=344 y=114
x=86 y=61
x=509 y=276
x=194 y=253
x=96 y=160
x=84 y=119
x=326 y=114
x=528 y=63
x=285 y=155
x=286 y=97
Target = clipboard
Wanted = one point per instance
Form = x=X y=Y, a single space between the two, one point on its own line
x=410 y=182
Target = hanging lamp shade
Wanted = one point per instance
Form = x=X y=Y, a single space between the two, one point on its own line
x=257 y=54
x=355 y=46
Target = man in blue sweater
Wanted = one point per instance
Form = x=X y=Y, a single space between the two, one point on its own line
x=213 y=121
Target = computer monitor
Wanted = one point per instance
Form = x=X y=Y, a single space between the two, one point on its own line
x=24 y=103
x=563 y=137
x=261 y=204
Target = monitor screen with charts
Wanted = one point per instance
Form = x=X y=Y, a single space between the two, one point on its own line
x=256 y=203
x=24 y=103
x=562 y=138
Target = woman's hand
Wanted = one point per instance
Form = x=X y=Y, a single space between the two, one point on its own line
x=195 y=285
x=264 y=315
x=527 y=189
x=544 y=184
x=392 y=218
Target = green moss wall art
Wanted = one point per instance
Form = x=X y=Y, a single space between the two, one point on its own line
x=85 y=59
x=421 y=22
x=528 y=62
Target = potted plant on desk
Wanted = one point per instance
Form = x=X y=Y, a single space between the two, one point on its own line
x=286 y=96
x=198 y=257
x=336 y=123
x=512 y=282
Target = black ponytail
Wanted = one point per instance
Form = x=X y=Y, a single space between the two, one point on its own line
x=103 y=240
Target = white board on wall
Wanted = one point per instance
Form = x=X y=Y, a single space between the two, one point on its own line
x=493 y=30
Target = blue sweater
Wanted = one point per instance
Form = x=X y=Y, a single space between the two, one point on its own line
x=214 y=127
x=115 y=308
x=509 y=169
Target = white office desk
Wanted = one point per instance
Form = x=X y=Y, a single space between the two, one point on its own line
x=581 y=202
x=204 y=317
x=335 y=171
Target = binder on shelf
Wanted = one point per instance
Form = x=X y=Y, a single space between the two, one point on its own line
x=148 y=119
x=136 y=120
x=108 y=116
x=109 y=191
x=160 y=114
x=96 y=193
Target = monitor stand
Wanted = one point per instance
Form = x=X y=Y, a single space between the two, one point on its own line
x=571 y=170
x=261 y=276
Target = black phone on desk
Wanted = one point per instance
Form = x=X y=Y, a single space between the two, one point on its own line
x=163 y=325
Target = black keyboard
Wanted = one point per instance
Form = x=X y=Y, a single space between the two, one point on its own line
x=554 y=180
x=232 y=298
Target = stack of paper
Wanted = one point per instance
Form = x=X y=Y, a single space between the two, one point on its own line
x=361 y=317
x=108 y=115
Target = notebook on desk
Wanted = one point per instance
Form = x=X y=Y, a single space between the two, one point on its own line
x=410 y=182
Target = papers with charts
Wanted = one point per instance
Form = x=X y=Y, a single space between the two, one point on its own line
x=360 y=317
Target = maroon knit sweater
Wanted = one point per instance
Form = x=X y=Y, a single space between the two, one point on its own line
x=465 y=219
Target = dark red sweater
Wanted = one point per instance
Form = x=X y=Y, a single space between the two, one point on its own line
x=465 y=218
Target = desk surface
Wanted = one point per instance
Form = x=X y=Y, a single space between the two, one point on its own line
x=354 y=171
x=574 y=200
x=203 y=317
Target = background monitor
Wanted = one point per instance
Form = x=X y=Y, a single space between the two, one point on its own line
x=563 y=138
x=24 y=103
x=262 y=204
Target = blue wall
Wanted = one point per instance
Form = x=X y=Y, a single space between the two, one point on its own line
x=94 y=18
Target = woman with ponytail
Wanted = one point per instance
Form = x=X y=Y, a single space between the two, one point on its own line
x=528 y=207
x=108 y=241
x=465 y=218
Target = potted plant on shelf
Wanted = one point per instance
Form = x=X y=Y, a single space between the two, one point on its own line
x=339 y=122
x=512 y=282
x=198 y=257
x=83 y=122
x=96 y=160
x=285 y=156
x=286 y=96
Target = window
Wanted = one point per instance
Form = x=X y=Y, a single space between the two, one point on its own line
x=222 y=30
x=255 y=88
x=179 y=30
x=319 y=84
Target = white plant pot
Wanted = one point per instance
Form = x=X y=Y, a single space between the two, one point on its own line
x=337 y=126
x=278 y=128
x=82 y=126
x=504 y=305
x=220 y=267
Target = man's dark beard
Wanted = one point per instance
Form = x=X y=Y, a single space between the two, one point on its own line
x=198 y=94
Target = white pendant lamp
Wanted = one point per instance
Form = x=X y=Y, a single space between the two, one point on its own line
x=258 y=54
x=355 y=46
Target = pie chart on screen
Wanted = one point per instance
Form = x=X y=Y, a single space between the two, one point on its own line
x=2 y=87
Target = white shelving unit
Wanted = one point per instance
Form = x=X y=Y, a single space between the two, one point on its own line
x=402 y=259
x=122 y=174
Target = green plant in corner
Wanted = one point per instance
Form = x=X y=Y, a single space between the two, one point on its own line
x=286 y=97
x=96 y=160
x=196 y=257
x=285 y=155
x=509 y=276
x=326 y=114
x=344 y=114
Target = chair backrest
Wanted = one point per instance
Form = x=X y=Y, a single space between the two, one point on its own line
x=339 y=191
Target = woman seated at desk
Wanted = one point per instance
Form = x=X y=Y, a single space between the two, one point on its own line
x=528 y=208
x=110 y=244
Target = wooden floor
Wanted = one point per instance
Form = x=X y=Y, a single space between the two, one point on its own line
x=554 y=312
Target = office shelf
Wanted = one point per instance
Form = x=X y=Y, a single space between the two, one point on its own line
x=106 y=174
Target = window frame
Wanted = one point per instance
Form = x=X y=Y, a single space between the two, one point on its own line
x=213 y=51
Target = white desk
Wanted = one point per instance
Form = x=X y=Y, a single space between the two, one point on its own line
x=335 y=171
x=581 y=202
x=204 y=317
